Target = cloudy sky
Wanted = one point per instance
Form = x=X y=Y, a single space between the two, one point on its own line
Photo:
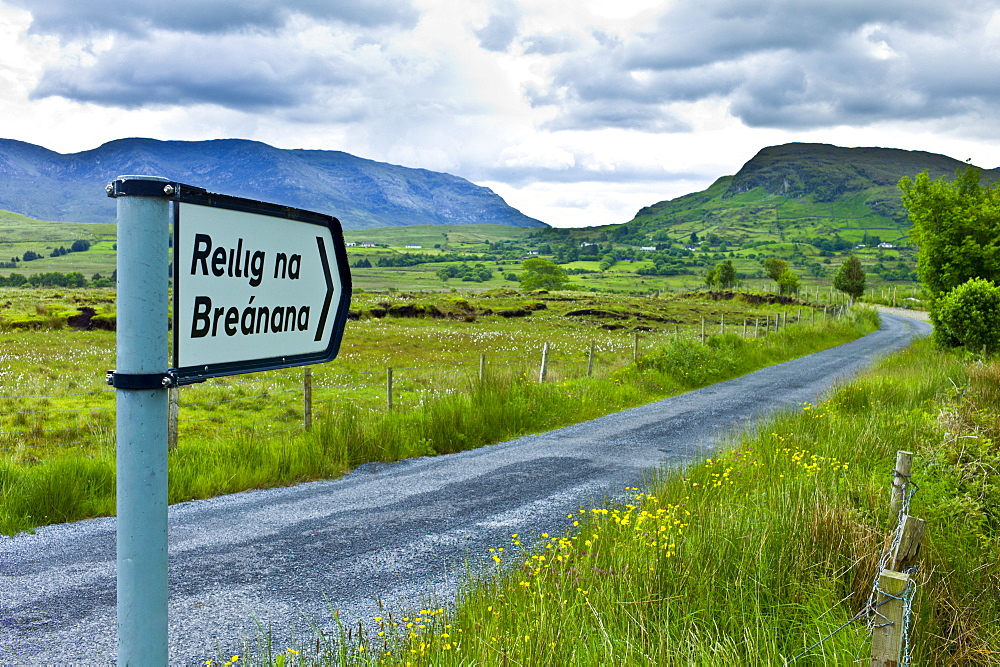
x=577 y=112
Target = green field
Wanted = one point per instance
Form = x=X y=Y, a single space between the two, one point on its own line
x=19 y=234
x=501 y=249
x=55 y=408
x=427 y=236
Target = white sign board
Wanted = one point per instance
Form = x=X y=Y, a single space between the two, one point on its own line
x=254 y=290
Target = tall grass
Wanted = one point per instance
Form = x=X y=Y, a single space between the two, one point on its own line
x=502 y=405
x=755 y=555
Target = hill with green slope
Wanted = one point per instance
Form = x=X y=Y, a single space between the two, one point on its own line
x=797 y=192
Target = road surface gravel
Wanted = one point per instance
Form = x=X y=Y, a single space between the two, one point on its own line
x=402 y=533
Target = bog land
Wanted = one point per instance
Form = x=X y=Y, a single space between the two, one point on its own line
x=58 y=343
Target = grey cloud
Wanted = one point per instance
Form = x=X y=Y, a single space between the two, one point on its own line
x=709 y=31
x=598 y=78
x=549 y=45
x=619 y=114
x=786 y=64
x=75 y=19
x=499 y=33
x=240 y=54
x=249 y=73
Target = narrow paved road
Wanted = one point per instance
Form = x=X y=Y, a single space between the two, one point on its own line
x=392 y=532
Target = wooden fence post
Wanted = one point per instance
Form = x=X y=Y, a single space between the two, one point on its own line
x=703 y=331
x=635 y=347
x=590 y=360
x=911 y=534
x=173 y=415
x=543 y=371
x=388 y=388
x=887 y=636
x=722 y=324
x=482 y=367
x=744 y=327
x=904 y=461
x=888 y=632
x=307 y=398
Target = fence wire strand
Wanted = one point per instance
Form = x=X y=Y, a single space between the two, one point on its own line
x=878 y=596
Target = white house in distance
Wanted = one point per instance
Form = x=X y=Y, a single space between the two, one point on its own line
x=413 y=246
x=367 y=244
x=648 y=248
x=350 y=244
x=886 y=245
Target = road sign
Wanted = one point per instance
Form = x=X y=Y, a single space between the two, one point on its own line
x=257 y=286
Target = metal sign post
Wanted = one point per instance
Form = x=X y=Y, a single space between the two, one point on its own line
x=258 y=286
x=141 y=400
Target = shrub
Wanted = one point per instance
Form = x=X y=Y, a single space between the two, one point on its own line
x=969 y=316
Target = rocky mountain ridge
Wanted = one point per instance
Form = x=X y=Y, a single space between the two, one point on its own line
x=362 y=193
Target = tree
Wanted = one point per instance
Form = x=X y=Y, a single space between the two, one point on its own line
x=541 y=273
x=775 y=267
x=956 y=226
x=850 y=278
x=727 y=274
x=712 y=277
x=788 y=282
x=16 y=280
x=969 y=316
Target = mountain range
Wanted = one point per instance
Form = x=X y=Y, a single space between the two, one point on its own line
x=792 y=192
x=361 y=193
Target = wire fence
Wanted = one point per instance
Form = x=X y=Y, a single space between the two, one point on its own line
x=895 y=646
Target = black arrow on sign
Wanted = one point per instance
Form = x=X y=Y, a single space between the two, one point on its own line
x=329 y=288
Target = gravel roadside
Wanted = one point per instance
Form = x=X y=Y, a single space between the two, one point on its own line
x=400 y=533
x=921 y=315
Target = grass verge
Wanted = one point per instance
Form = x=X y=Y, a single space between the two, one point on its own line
x=754 y=555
